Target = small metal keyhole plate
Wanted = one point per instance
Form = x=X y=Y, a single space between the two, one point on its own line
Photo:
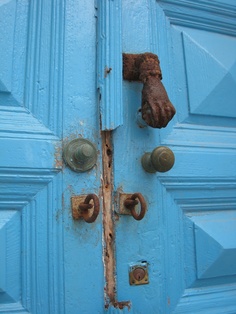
x=138 y=274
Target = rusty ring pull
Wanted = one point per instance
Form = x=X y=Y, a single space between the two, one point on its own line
x=85 y=206
x=132 y=201
x=157 y=110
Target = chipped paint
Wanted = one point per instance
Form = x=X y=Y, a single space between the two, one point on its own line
x=109 y=217
x=122 y=305
x=58 y=162
x=107 y=71
x=108 y=212
x=168 y=301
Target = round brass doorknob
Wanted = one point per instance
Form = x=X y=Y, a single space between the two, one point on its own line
x=80 y=155
x=161 y=159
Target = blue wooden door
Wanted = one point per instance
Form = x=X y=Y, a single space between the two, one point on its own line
x=188 y=236
x=49 y=263
x=60 y=80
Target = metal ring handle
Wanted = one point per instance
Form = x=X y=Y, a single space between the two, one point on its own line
x=143 y=205
x=96 y=207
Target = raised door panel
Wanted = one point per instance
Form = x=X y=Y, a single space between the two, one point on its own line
x=50 y=263
x=201 y=49
x=30 y=178
x=83 y=243
x=188 y=234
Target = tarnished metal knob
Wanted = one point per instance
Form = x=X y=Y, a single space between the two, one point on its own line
x=80 y=155
x=161 y=159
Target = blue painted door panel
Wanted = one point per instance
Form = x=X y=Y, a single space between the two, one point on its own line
x=188 y=236
x=50 y=263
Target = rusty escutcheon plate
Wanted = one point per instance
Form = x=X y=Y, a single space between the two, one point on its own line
x=132 y=204
x=75 y=201
x=82 y=208
x=138 y=274
x=122 y=209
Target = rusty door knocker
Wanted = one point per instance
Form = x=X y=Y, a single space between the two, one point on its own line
x=157 y=110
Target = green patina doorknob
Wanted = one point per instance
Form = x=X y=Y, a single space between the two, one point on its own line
x=80 y=155
x=161 y=159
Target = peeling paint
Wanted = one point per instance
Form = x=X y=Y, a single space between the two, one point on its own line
x=108 y=212
x=58 y=162
x=120 y=305
x=107 y=71
x=109 y=218
x=168 y=301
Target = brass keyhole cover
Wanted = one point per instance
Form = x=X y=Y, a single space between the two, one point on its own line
x=138 y=274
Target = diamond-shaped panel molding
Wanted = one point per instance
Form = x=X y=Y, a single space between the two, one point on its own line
x=10 y=243
x=29 y=235
x=7 y=17
x=211 y=73
x=215 y=240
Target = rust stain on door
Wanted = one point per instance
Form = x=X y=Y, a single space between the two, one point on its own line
x=108 y=211
x=108 y=224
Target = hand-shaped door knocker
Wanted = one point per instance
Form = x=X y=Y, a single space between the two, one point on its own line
x=157 y=110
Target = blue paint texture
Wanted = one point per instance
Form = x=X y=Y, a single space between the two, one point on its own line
x=61 y=79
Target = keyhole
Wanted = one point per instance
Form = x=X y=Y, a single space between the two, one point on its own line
x=139 y=273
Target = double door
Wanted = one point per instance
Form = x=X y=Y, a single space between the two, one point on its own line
x=61 y=80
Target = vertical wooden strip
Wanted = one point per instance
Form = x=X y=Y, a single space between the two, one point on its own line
x=111 y=302
x=108 y=212
x=109 y=78
x=109 y=82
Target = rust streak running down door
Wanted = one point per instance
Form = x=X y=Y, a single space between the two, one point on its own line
x=188 y=235
x=108 y=216
x=108 y=224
